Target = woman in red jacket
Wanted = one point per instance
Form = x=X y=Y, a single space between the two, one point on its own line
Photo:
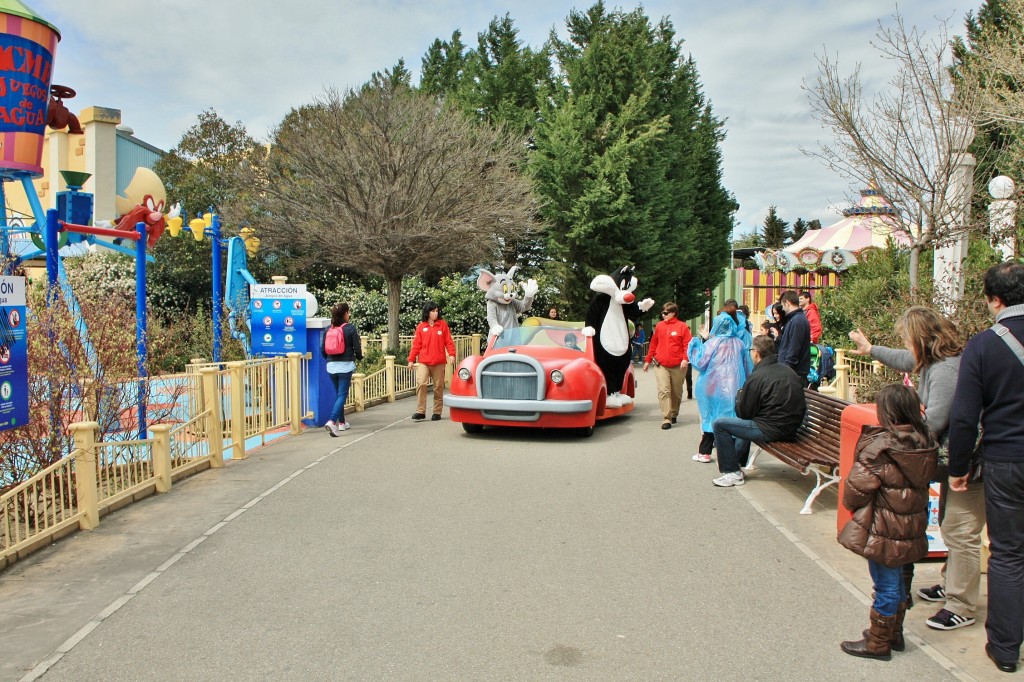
x=434 y=347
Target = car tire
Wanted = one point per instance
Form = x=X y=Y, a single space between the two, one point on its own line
x=585 y=431
x=472 y=428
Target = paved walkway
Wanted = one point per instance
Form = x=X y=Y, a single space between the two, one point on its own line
x=411 y=551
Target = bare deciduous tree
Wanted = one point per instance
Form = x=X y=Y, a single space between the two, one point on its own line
x=908 y=140
x=995 y=71
x=384 y=180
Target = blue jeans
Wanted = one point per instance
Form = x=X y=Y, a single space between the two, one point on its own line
x=341 y=383
x=1004 y=507
x=732 y=438
x=888 y=587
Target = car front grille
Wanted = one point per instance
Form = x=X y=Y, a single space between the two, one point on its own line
x=510 y=380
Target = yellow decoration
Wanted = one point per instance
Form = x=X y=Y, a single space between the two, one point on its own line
x=174 y=225
x=252 y=246
x=208 y=219
x=144 y=183
x=198 y=226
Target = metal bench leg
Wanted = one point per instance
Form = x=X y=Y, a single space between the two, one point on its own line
x=754 y=452
x=830 y=478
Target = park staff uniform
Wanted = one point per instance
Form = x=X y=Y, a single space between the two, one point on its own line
x=431 y=346
x=668 y=349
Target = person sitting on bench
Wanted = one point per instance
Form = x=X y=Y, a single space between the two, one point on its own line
x=770 y=406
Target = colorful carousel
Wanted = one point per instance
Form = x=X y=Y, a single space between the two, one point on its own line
x=868 y=226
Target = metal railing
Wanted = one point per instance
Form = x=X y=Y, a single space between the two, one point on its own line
x=226 y=405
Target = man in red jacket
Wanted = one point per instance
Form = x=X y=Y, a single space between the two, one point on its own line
x=812 y=314
x=668 y=352
x=434 y=346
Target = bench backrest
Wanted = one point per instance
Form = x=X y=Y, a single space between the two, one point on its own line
x=823 y=421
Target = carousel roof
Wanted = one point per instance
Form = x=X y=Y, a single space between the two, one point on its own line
x=869 y=224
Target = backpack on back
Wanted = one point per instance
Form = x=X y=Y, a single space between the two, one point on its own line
x=334 y=343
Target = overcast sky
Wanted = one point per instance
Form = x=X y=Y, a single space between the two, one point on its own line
x=161 y=63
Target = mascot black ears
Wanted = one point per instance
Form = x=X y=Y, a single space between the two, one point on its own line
x=612 y=305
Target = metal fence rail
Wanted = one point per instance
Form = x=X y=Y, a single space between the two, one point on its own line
x=43 y=505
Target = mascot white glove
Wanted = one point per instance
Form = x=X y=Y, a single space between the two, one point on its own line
x=645 y=304
x=495 y=330
x=589 y=331
x=530 y=288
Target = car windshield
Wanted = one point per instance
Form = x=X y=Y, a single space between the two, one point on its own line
x=550 y=337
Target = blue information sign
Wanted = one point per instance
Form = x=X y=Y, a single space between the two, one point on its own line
x=277 y=313
x=13 y=354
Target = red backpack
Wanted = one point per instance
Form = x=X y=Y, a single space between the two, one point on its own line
x=334 y=344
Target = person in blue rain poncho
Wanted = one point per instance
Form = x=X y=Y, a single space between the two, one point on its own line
x=723 y=362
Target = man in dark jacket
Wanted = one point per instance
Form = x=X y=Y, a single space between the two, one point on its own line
x=795 y=343
x=770 y=406
x=989 y=387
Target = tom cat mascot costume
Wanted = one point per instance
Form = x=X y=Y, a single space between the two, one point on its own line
x=610 y=308
x=503 y=303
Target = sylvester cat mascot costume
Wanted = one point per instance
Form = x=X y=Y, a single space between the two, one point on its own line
x=610 y=308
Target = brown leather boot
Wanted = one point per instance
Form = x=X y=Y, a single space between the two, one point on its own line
x=876 y=644
x=896 y=642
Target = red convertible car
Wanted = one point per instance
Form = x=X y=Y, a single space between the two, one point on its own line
x=541 y=374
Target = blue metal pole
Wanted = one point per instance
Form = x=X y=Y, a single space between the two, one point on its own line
x=218 y=287
x=5 y=237
x=50 y=240
x=140 y=323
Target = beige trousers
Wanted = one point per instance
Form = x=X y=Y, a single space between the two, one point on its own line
x=424 y=374
x=670 y=390
x=962 y=522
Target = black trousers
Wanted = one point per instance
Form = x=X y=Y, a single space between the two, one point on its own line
x=1004 y=506
x=707 y=442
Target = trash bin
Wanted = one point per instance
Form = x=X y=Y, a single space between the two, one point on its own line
x=855 y=418
x=321 y=390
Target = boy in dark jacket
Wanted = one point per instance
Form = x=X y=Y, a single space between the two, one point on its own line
x=795 y=342
x=770 y=406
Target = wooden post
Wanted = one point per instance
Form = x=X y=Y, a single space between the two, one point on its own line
x=295 y=392
x=476 y=343
x=236 y=370
x=162 y=456
x=842 y=375
x=83 y=436
x=389 y=377
x=383 y=343
x=214 y=427
x=358 y=390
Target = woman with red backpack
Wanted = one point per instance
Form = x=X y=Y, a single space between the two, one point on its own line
x=342 y=347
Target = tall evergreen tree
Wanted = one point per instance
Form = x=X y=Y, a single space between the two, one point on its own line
x=798 y=229
x=995 y=21
x=627 y=161
x=775 y=234
x=443 y=66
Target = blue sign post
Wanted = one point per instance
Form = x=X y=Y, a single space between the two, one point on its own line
x=13 y=354
x=278 y=316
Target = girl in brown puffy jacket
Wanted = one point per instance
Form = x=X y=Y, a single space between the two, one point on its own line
x=887 y=492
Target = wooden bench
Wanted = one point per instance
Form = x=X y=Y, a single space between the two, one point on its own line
x=816 y=446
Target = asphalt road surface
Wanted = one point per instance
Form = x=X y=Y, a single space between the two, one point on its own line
x=413 y=551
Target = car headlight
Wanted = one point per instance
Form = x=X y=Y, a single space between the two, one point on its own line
x=464 y=374
x=556 y=376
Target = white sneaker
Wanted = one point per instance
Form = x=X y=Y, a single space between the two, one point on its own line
x=730 y=479
x=329 y=424
x=703 y=459
x=333 y=428
x=345 y=426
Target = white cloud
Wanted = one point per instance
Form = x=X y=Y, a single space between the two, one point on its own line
x=252 y=60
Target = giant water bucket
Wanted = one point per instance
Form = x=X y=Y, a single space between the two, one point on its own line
x=28 y=45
